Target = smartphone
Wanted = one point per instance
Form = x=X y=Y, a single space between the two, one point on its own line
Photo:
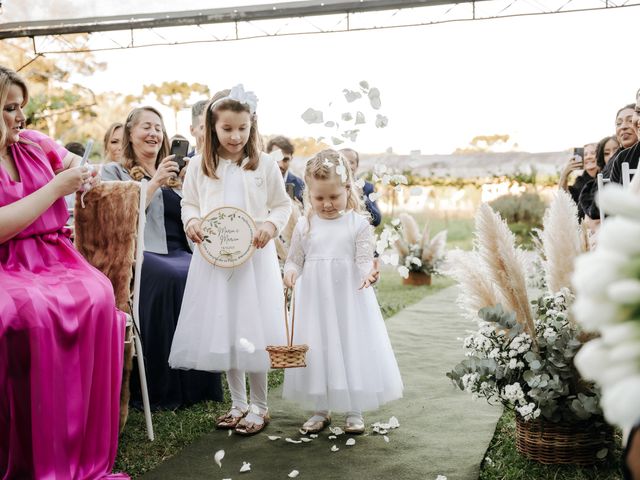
x=579 y=152
x=179 y=148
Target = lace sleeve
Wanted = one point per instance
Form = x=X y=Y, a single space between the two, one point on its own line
x=295 y=258
x=364 y=249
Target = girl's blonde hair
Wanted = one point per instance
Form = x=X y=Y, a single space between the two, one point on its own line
x=8 y=78
x=210 y=157
x=324 y=165
x=129 y=159
x=107 y=138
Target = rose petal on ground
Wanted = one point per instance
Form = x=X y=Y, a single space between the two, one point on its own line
x=230 y=432
x=305 y=440
x=393 y=422
x=291 y=440
x=314 y=435
x=332 y=437
x=351 y=441
x=246 y=467
x=334 y=449
x=273 y=437
x=293 y=473
x=386 y=439
x=218 y=457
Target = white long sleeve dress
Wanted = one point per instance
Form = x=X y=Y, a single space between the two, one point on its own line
x=350 y=362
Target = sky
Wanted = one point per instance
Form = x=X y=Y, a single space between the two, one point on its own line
x=551 y=82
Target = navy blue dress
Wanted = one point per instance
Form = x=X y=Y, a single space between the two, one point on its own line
x=161 y=290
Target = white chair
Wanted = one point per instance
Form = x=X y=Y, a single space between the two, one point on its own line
x=109 y=222
x=601 y=183
x=626 y=174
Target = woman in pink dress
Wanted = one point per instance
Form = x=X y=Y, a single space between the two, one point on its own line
x=61 y=337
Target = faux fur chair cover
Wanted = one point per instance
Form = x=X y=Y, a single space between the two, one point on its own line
x=106 y=234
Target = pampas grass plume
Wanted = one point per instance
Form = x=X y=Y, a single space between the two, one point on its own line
x=503 y=266
x=561 y=241
x=410 y=229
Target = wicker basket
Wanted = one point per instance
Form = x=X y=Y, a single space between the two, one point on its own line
x=417 y=279
x=562 y=443
x=290 y=355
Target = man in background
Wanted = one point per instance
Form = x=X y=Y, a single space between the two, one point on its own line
x=293 y=184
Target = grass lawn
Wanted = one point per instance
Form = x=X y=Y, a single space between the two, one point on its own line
x=176 y=429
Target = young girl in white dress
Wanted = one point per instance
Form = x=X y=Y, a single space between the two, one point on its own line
x=350 y=363
x=225 y=314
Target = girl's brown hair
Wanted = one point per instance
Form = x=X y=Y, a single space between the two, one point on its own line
x=210 y=157
x=107 y=137
x=8 y=78
x=129 y=159
x=324 y=166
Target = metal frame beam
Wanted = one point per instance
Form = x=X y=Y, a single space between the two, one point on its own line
x=210 y=16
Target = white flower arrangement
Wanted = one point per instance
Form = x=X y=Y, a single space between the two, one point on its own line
x=521 y=354
x=607 y=283
x=415 y=252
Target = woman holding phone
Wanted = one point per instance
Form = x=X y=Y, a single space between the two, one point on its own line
x=145 y=152
x=586 y=162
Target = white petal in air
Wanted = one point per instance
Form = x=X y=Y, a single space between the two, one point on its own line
x=218 y=457
x=374 y=98
x=351 y=96
x=246 y=467
x=373 y=196
x=360 y=183
x=246 y=345
x=416 y=191
x=360 y=118
x=312 y=116
x=336 y=140
x=346 y=116
x=381 y=121
x=277 y=154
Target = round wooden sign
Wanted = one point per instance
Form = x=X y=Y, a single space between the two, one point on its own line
x=228 y=237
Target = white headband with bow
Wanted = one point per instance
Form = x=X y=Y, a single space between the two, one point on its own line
x=238 y=94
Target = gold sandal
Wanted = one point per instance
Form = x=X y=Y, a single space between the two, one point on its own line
x=229 y=421
x=247 y=428
x=315 y=427
x=354 y=428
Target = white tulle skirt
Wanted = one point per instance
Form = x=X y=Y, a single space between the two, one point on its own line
x=350 y=362
x=222 y=306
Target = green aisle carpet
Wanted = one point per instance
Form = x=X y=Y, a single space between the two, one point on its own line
x=442 y=430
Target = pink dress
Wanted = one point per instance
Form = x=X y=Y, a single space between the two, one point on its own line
x=61 y=340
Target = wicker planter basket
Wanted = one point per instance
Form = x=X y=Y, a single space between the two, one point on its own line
x=562 y=443
x=290 y=355
x=417 y=278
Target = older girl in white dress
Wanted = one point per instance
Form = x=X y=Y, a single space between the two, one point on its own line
x=350 y=363
x=223 y=312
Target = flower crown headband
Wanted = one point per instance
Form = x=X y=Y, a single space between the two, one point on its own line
x=238 y=94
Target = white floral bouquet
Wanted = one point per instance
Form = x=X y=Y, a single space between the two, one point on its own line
x=503 y=366
x=607 y=283
x=522 y=353
x=414 y=251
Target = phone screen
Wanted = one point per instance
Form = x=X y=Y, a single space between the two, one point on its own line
x=179 y=148
x=579 y=152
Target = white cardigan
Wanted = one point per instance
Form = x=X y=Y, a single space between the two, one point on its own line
x=264 y=192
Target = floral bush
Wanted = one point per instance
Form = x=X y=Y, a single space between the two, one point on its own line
x=503 y=365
